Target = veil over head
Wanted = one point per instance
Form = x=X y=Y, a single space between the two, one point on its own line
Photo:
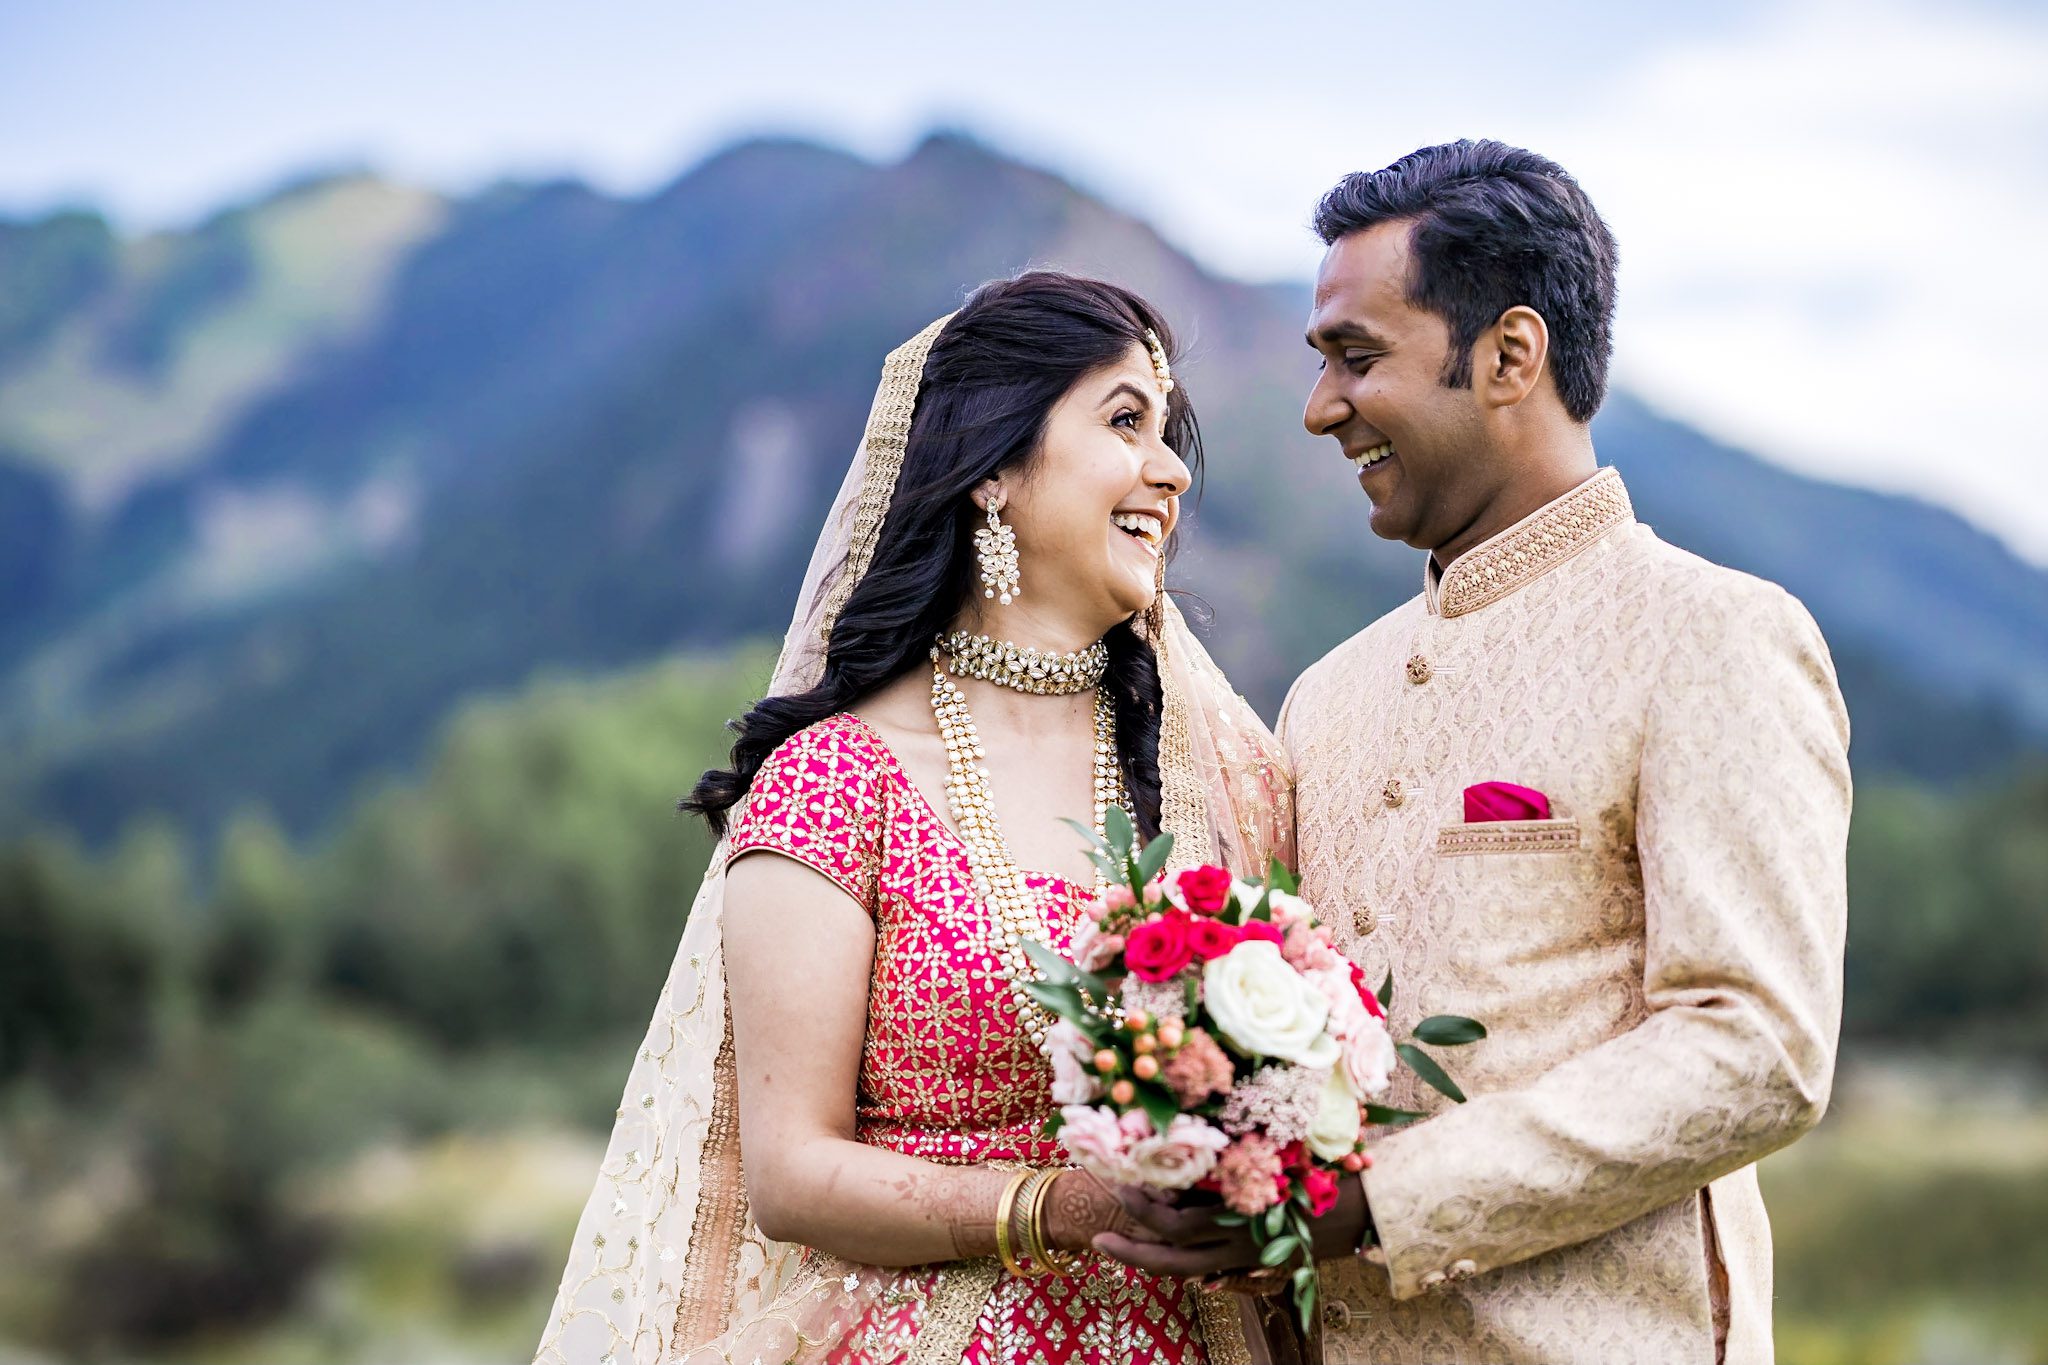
x=667 y=1264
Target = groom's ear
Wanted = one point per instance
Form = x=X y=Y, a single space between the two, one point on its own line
x=1511 y=353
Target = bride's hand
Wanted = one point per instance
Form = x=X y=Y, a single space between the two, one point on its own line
x=1079 y=1207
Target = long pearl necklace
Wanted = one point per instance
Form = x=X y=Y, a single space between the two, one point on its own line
x=998 y=881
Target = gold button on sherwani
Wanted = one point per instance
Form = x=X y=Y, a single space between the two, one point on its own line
x=1658 y=960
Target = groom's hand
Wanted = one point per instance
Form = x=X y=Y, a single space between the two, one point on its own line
x=1191 y=1244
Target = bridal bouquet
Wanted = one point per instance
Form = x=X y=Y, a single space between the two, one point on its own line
x=1211 y=1039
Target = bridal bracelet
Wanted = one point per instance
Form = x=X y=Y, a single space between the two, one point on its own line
x=1020 y=1226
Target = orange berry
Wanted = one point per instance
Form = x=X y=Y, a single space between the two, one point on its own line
x=1105 y=1061
x=1145 y=1068
x=1123 y=1092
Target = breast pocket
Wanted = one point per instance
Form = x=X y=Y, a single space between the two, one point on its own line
x=1508 y=836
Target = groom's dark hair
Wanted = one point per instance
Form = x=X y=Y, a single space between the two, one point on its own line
x=1495 y=227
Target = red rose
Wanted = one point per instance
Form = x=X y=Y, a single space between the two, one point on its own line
x=1365 y=993
x=1211 y=938
x=1321 y=1187
x=1252 y=930
x=1205 y=889
x=1158 y=949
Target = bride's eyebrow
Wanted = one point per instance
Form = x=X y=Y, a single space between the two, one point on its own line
x=1144 y=400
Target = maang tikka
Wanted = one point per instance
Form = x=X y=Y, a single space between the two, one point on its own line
x=996 y=546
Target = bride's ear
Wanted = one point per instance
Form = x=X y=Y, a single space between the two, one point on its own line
x=989 y=493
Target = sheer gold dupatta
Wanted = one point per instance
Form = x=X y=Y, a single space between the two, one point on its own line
x=667 y=1264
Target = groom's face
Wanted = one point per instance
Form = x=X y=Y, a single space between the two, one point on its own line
x=1420 y=449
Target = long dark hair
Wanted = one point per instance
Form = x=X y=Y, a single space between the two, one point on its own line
x=994 y=375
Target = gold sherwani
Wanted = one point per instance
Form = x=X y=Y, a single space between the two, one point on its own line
x=1659 y=963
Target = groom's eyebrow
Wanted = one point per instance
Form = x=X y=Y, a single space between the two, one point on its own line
x=1339 y=333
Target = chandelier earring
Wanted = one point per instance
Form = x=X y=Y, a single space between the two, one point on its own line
x=995 y=545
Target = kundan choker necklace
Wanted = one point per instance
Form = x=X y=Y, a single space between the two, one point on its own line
x=1042 y=672
x=998 y=881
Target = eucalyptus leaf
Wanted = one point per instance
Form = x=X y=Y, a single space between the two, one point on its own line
x=1388 y=1117
x=1273 y=1220
x=1116 y=823
x=1277 y=1250
x=1425 y=1066
x=1232 y=1219
x=1449 y=1030
x=1154 y=858
x=1089 y=836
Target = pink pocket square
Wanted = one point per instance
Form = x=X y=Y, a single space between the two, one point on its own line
x=1504 y=801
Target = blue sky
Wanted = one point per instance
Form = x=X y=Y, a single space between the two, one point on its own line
x=1831 y=214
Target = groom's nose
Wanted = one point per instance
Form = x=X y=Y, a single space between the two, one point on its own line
x=1326 y=409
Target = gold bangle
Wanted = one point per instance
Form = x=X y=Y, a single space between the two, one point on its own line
x=1029 y=1267
x=1059 y=1263
x=1006 y=1205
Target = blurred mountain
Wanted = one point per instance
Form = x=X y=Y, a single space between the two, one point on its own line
x=278 y=491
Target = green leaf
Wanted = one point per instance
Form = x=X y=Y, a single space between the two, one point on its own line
x=1277 y=1250
x=1153 y=859
x=1305 y=1298
x=1389 y=1117
x=1263 y=910
x=1116 y=824
x=1232 y=1219
x=1386 y=991
x=1159 y=1103
x=1050 y=1128
x=1273 y=1220
x=1449 y=1030
x=1425 y=1066
x=1093 y=840
x=1064 y=1001
x=1281 y=879
x=1061 y=971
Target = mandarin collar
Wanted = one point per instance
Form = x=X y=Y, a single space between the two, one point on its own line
x=1532 y=547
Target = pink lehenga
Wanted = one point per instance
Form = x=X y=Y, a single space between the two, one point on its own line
x=667 y=1265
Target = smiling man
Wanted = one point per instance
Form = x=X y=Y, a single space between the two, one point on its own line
x=1585 y=787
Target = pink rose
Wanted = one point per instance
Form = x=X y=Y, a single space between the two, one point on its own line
x=1095 y=1140
x=1204 y=890
x=1092 y=949
x=1116 y=899
x=1308 y=949
x=1209 y=938
x=1074 y=1079
x=1158 y=950
x=1368 y=1058
x=1178 y=1158
x=1252 y=931
x=1321 y=1187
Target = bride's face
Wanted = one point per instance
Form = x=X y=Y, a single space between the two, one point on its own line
x=1092 y=512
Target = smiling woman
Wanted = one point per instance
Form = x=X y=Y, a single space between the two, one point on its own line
x=990 y=594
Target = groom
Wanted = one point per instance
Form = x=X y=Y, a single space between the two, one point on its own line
x=1586 y=788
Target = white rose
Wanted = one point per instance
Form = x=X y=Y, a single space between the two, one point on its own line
x=1263 y=1006
x=1073 y=1082
x=1177 y=1158
x=1335 y=1129
x=1287 y=909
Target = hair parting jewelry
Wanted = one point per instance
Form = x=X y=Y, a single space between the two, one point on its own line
x=995 y=545
x=1159 y=365
x=1042 y=672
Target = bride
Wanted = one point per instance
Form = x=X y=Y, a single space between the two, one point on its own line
x=830 y=1143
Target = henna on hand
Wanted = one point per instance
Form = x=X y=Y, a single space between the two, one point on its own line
x=960 y=1199
x=1079 y=1208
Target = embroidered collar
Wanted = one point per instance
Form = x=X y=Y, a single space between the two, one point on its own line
x=1530 y=548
